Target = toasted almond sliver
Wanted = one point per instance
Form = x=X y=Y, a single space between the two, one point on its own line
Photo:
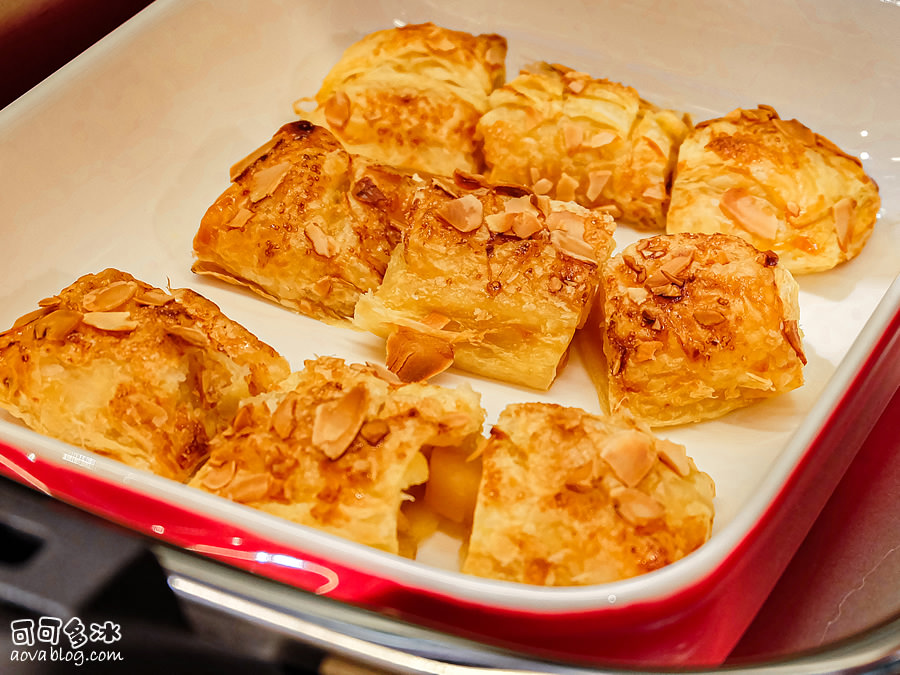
x=190 y=335
x=542 y=186
x=525 y=224
x=57 y=325
x=111 y=321
x=630 y=454
x=240 y=219
x=374 y=430
x=284 y=418
x=655 y=192
x=109 y=297
x=248 y=487
x=219 y=476
x=239 y=167
x=322 y=244
x=25 y=319
x=791 y=330
x=337 y=110
x=498 y=223
x=519 y=205
x=843 y=217
x=565 y=188
x=336 y=422
x=464 y=213
x=597 y=181
x=573 y=135
x=645 y=351
x=749 y=212
x=674 y=456
x=570 y=223
x=414 y=356
x=265 y=182
x=574 y=247
x=636 y=507
x=50 y=303
x=155 y=297
x=601 y=138
x=708 y=317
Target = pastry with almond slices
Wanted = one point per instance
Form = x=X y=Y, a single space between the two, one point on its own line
x=141 y=375
x=574 y=137
x=776 y=184
x=337 y=446
x=691 y=327
x=490 y=278
x=411 y=96
x=570 y=499
x=304 y=223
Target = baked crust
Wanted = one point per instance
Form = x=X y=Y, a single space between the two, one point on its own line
x=693 y=326
x=572 y=136
x=411 y=96
x=776 y=184
x=568 y=498
x=304 y=223
x=132 y=372
x=489 y=278
x=336 y=446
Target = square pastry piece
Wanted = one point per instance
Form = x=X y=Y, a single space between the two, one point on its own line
x=693 y=326
x=490 y=278
x=129 y=371
x=304 y=223
x=336 y=446
x=568 y=498
x=411 y=96
x=574 y=137
x=776 y=184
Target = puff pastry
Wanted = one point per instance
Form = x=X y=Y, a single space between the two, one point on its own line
x=335 y=446
x=568 y=498
x=492 y=279
x=693 y=326
x=411 y=96
x=304 y=223
x=776 y=184
x=571 y=136
x=132 y=372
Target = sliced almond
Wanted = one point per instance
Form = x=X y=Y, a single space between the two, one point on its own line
x=284 y=419
x=674 y=456
x=638 y=508
x=110 y=297
x=322 y=244
x=243 y=419
x=240 y=219
x=630 y=454
x=576 y=86
x=239 y=167
x=671 y=271
x=110 y=321
x=189 y=334
x=708 y=317
x=555 y=284
x=25 y=319
x=796 y=130
x=374 y=431
x=655 y=192
x=645 y=351
x=791 y=330
x=520 y=205
x=542 y=186
x=750 y=213
x=217 y=477
x=336 y=422
x=601 y=138
x=597 y=180
x=50 y=303
x=383 y=373
x=498 y=223
x=414 y=356
x=57 y=325
x=263 y=183
x=566 y=221
x=464 y=213
x=155 y=297
x=574 y=247
x=525 y=224
x=337 y=110
x=573 y=135
x=843 y=219
x=566 y=187
x=248 y=487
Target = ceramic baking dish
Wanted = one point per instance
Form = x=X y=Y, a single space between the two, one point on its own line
x=112 y=161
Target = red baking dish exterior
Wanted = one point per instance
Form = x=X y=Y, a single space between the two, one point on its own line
x=695 y=625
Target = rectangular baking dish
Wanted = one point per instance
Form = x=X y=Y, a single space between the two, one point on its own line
x=112 y=161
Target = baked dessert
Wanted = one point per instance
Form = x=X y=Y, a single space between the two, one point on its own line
x=411 y=96
x=147 y=377
x=693 y=326
x=336 y=446
x=575 y=137
x=304 y=223
x=776 y=184
x=568 y=498
x=490 y=278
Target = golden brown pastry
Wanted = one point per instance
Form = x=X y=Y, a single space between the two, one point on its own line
x=490 y=278
x=776 y=184
x=336 y=446
x=304 y=223
x=132 y=372
x=574 y=137
x=568 y=498
x=411 y=96
x=693 y=326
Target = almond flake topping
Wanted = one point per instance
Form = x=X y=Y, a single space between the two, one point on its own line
x=671 y=271
x=524 y=224
x=631 y=456
x=796 y=130
x=575 y=247
x=265 y=182
x=218 y=477
x=645 y=351
x=568 y=222
x=565 y=188
x=50 y=303
x=109 y=298
x=322 y=244
x=238 y=168
x=576 y=86
x=464 y=213
x=655 y=192
x=337 y=422
x=498 y=223
x=337 y=110
x=636 y=507
x=791 y=330
x=155 y=297
x=708 y=317
x=190 y=335
x=374 y=430
x=248 y=487
x=749 y=212
x=674 y=456
x=601 y=138
x=415 y=357
x=240 y=218
x=284 y=418
x=597 y=181
x=573 y=135
x=25 y=319
x=843 y=217
x=111 y=321
x=57 y=325
x=542 y=186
